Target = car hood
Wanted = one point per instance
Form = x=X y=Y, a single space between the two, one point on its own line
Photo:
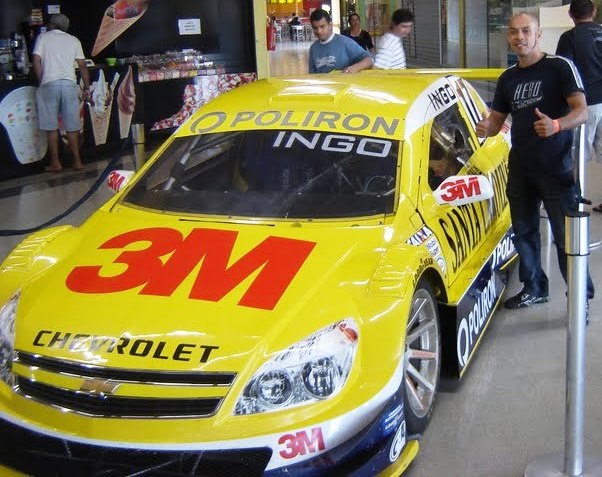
x=181 y=294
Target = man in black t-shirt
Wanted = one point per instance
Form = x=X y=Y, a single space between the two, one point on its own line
x=545 y=96
x=583 y=46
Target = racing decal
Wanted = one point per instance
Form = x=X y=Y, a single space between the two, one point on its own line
x=425 y=262
x=464 y=92
x=460 y=187
x=301 y=443
x=459 y=190
x=420 y=236
x=499 y=179
x=353 y=123
x=425 y=236
x=334 y=143
x=439 y=96
x=399 y=441
x=276 y=260
x=136 y=347
x=393 y=419
x=465 y=226
x=118 y=179
x=504 y=251
x=476 y=307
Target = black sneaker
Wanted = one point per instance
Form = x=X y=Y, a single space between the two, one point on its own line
x=524 y=299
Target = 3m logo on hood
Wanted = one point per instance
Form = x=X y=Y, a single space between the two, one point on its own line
x=278 y=260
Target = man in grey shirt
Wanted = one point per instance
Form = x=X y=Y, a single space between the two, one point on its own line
x=334 y=52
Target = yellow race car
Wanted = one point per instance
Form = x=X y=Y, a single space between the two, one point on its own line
x=276 y=293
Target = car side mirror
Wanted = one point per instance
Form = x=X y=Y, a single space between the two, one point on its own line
x=118 y=179
x=460 y=190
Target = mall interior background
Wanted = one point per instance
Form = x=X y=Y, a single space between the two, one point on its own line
x=453 y=33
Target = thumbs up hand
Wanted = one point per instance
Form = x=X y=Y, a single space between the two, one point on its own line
x=545 y=126
x=482 y=127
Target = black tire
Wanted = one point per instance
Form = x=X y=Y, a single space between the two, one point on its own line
x=422 y=358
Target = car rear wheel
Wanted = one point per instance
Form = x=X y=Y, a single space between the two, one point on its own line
x=422 y=358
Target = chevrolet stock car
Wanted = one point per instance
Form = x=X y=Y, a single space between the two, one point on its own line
x=278 y=291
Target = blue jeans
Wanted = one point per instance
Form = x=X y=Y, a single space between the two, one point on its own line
x=559 y=194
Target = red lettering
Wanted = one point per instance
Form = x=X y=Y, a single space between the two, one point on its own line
x=115 y=180
x=290 y=442
x=278 y=260
x=141 y=264
x=460 y=189
x=300 y=443
x=275 y=261
x=314 y=445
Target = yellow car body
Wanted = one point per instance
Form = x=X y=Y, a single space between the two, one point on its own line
x=172 y=330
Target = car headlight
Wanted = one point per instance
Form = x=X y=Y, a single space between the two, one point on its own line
x=311 y=370
x=8 y=312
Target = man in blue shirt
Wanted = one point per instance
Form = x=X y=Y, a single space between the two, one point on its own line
x=334 y=52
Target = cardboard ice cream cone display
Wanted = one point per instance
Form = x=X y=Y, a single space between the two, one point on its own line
x=100 y=108
x=100 y=125
x=126 y=102
x=125 y=121
x=19 y=117
x=116 y=20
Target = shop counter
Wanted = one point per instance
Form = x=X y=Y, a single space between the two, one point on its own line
x=105 y=124
x=22 y=145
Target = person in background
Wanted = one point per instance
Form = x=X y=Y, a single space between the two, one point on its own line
x=355 y=32
x=334 y=52
x=390 y=54
x=54 y=56
x=294 y=22
x=545 y=96
x=583 y=46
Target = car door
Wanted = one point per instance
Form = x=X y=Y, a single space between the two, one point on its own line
x=450 y=148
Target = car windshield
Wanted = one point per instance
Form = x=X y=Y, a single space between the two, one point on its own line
x=272 y=174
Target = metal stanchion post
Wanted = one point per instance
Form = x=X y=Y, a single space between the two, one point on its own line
x=138 y=139
x=580 y=162
x=580 y=171
x=577 y=249
x=573 y=464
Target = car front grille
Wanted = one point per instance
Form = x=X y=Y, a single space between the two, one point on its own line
x=35 y=454
x=98 y=399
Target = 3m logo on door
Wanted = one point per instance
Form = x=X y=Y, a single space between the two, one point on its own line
x=277 y=260
x=460 y=190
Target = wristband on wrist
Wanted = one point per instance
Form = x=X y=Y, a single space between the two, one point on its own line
x=556 y=125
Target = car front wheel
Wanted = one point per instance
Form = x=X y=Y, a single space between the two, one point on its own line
x=422 y=358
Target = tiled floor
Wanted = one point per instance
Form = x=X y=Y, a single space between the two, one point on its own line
x=508 y=410
x=289 y=58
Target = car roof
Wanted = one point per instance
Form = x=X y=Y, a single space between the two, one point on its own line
x=369 y=93
x=386 y=97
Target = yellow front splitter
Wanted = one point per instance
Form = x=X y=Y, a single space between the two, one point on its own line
x=406 y=458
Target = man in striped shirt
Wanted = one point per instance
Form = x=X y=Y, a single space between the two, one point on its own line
x=390 y=54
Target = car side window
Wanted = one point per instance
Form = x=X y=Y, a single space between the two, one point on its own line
x=450 y=146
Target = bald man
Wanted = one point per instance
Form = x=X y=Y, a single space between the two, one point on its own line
x=545 y=96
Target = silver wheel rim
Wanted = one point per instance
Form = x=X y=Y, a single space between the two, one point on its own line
x=422 y=354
